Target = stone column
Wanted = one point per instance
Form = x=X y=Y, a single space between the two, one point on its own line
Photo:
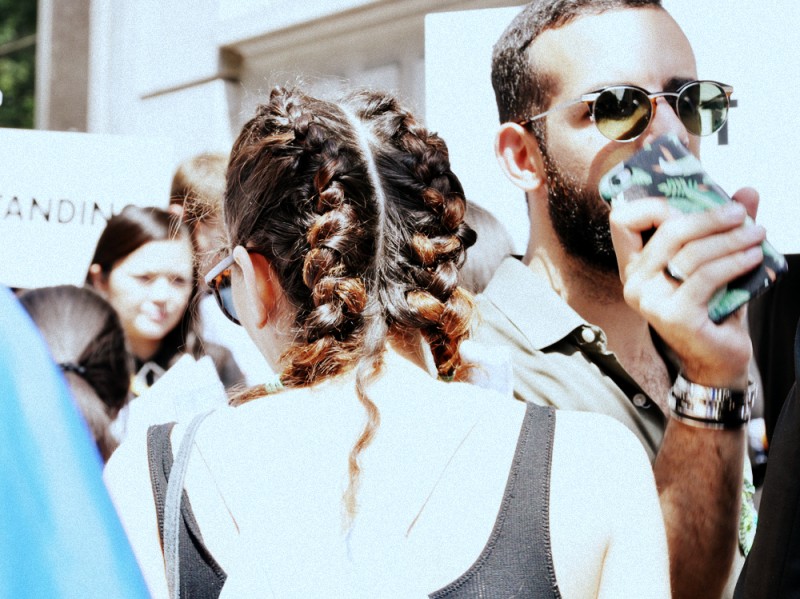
x=62 y=65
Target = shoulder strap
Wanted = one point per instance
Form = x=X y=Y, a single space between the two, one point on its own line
x=517 y=560
x=172 y=506
x=159 y=459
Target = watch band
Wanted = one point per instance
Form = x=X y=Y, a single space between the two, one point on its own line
x=711 y=407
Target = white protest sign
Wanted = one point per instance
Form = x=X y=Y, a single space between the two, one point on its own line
x=57 y=190
x=756 y=148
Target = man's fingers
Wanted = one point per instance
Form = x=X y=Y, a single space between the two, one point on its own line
x=704 y=282
x=700 y=251
x=628 y=220
x=748 y=197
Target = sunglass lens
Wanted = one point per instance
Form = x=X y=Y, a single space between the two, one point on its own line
x=622 y=113
x=703 y=107
x=223 y=292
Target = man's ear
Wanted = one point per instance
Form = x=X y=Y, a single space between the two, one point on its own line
x=261 y=286
x=98 y=279
x=519 y=156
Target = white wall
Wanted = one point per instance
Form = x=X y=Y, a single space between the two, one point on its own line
x=754 y=46
x=461 y=107
x=194 y=72
x=157 y=68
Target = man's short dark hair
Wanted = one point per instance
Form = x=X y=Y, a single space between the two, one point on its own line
x=518 y=88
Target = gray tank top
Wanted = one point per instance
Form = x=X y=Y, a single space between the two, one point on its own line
x=517 y=560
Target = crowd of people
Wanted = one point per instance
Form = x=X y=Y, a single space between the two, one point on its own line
x=409 y=409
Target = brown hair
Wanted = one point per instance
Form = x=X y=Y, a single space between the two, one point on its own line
x=520 y=89
x=86 y=339
x=356 y=208
x=198 y=186
x=197 y=189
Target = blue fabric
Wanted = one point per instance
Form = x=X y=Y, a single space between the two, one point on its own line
x=59 y=533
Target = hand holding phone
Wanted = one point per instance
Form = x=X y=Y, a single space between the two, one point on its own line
x=666 y=168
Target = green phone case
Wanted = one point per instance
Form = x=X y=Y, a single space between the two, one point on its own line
x=666 y=168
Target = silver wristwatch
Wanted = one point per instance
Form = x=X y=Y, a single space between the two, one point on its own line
x=711 y=407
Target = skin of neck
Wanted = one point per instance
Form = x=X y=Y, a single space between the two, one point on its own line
x=144 y=349
x=412 y=349
x=594 y=294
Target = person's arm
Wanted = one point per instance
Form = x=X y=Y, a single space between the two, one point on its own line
x=698 y=471
x=699 y=479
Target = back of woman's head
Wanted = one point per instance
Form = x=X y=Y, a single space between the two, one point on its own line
x=86 y=339
x=356 y=208
x=198 y=186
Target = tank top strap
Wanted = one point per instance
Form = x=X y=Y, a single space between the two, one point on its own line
x=517 y=559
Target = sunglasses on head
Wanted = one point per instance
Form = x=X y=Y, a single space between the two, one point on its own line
x=218 y=280
x=623 y=112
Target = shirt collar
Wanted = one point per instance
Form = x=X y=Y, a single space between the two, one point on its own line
x=531 y=304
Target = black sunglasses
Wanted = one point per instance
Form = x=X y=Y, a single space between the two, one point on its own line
x=218 y=280
x=623 y=112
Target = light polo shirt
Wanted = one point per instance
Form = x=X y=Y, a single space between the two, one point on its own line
x=559 y=359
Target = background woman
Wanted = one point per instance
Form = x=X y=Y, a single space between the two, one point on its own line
x=371 y=474
x=143 y=266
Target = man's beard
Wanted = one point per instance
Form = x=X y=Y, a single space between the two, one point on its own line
x=580 y=219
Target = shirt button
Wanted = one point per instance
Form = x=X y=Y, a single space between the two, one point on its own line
x=640 y=400
x=588 y=335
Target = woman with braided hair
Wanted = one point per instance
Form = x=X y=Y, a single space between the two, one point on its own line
x=371 y=468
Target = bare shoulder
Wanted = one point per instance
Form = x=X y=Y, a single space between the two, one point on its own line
x=598 y=464
x=611 y=443
x=607 y=532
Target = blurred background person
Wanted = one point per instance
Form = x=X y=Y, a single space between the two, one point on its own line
x=196 y=196
x=491 y=247
x=143 y=265
x=87 y=342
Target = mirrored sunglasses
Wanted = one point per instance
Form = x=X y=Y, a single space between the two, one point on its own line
x=218 y=280
x=623 y=112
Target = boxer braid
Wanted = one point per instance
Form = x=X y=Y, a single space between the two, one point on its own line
x=428 y=207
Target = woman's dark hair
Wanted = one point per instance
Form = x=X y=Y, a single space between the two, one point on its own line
x=87 y=341
x=125 y=233
x=355 y=207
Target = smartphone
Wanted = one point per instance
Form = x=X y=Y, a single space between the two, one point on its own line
x=666 y=168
